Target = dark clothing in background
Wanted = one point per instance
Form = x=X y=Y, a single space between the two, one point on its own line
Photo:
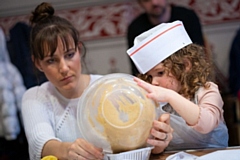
x=187 y=16
x=234 y=65
x=14 y=149
x=13 y=142
x=19 y=52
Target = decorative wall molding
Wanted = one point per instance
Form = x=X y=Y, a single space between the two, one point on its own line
x=215 y=11
x=21 y=7
x=111 y=20
x=103 y=21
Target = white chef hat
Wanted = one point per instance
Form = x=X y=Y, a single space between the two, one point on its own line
x=158 y=43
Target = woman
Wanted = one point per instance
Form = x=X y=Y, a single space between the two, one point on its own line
x=49 y=110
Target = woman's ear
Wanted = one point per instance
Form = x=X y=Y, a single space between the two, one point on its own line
x=81 y=49
x=37 y=64
x=80 y=46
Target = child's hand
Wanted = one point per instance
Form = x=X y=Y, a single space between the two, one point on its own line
x=157 y=93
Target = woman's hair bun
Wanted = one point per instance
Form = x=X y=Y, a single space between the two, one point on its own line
x=41 y=12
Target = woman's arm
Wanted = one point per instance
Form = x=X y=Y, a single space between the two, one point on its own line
x=162 y=133
x=80 y=149
x=39 y=121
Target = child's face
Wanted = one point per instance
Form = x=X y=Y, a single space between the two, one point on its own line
x=161 y=78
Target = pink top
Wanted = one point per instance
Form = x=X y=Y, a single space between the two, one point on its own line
x=210 y=130
x=211 y=108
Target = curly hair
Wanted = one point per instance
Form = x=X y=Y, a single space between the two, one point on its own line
x=191 y=80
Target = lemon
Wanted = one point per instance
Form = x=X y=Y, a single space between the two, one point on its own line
x=49 y=158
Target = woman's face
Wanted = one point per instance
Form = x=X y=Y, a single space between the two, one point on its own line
x=63 y=69
x=161 y=78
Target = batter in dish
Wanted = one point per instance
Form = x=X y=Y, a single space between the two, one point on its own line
x=127 y=119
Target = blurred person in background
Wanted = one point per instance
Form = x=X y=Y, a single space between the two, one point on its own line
x=234 y=66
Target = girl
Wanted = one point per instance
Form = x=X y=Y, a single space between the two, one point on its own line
x=181 y=82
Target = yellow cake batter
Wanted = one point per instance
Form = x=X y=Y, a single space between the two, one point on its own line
x=125 y=117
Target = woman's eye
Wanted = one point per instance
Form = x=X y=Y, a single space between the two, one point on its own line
x=50 y=61
x=70 y=55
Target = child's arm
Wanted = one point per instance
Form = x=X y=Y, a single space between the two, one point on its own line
x=203 y=117
x=185 y=108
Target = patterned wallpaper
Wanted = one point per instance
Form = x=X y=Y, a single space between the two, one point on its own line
x=214 y=11
x=111 y=20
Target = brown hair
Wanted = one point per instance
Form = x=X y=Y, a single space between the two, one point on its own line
x=47 y=29
x=191 y=80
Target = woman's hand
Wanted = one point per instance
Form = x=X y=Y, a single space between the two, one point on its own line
x=81 y=149
x=162 y=134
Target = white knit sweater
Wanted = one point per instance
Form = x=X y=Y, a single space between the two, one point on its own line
x=48 y=115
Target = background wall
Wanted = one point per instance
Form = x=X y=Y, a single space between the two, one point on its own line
x=103 y=23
